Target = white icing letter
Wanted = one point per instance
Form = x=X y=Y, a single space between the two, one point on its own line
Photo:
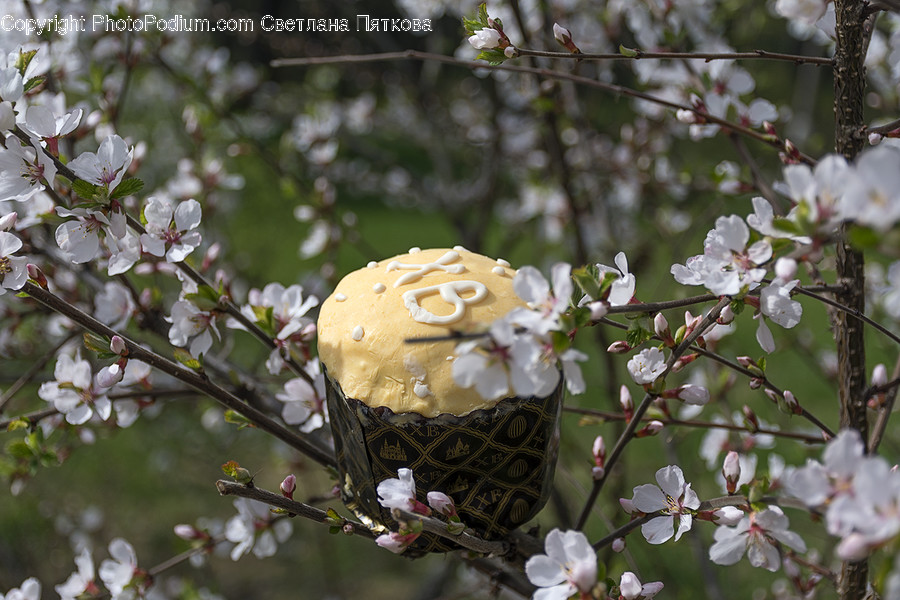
x=450 y=292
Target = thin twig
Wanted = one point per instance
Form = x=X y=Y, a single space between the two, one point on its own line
x=884 y=411
x=612 y=416
x=636 y=54
x=707 y=322
x=886 y=128
x=32 y=370
x=231 y=488
x=464 y=539
x=548 y=73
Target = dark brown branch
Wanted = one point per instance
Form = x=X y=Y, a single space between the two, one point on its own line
x=198 y=381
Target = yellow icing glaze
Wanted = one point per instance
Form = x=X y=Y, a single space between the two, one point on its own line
x=380 y=369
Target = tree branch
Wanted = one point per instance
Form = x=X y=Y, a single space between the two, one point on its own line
x=198 y=381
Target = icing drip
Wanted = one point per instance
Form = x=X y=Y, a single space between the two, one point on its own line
x=498 y=271
x=450 y=293
x=371 y=264
x=378 y=288
x=357 y=333
x=421 y=389
x=339 y=297
x=414 y=250
x=502 y=263
x=441 y=264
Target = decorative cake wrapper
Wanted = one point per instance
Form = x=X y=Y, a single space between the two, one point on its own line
x=496 y=464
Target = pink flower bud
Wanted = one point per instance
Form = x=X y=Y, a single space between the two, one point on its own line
x=726 y=316
x=188 y=532
x=693 y=394
x=598 y=310
x=7 y=222
x=652 y=428
x=745 y=361
x=731 y=470
x=769 y=128
x=619 y=347
x=396 y=542
x=728 y=515
x=117 y=345
x=875 y=138
x=791 y=404
x=879 y=375
x=625 y=402
x=599 y=450
x=288 y=486
x=750 y=419
x=618 y=545
x=561 y=34
x=597 y=473
x=510 y=52
x=785 y=269
x=36 y=275
x=661 y=327
x=442 y=503
x=109 y=376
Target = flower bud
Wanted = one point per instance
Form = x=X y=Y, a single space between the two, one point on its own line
x=785 y=269
x=619 y=347
x=597 y=473
x=627 y=505
x=853 y=547
x=661 y=327
x=618 y=545
x=564 y=37
x=769 y=128
x=875 y=138
x=686 y=116
x=510 y=52
x=625 y=402
x=789 y=404
x=441 y=503
x=746 y=361
x=731 y=470
x=693 y=394
x=109 y=376
x=188 y=532
x=879 y=375
x=599 y=450
x=7 y=222
x=36 y=275
x=726 y=316
x=652 y=428
x=750 y=419
x=288 y=486
x=728 y=515
x=117 y=345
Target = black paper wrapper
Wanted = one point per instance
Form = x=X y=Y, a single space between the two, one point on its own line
x=496 y=464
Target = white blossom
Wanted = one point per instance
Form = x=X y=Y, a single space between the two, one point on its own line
x=171 y=232
x=79 y=581
x=621 y=290
x=757 y=535
x=23 y=169
x=255 y=529
x=118 y=571
x=673 y=498
x=29 y=590
x=647 y=365
x=13 y=272
x=108 y=166
x=569 y=566
x=485 y=39
x=632 y=589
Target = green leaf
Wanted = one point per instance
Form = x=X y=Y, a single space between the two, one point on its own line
x=96 y=343
x=128 y=187
x=333 y=518
x=18 y=423
x=185 y=358
x=761 y=363
x=84 y=189
x=587 y=282
x=33 y=83
x=561 y=342
x=23 y=60
x=493 y=56
x=234 y=470
x=786 y=225
x=629 y=52
x=637 y=334
x=236 y=418
x=19 y=449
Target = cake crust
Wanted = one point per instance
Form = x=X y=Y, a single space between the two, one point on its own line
x=363 y=326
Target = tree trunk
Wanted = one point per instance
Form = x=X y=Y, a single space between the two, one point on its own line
x=849 y=90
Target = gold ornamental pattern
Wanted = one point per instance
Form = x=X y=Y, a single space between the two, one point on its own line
x=496 y=464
